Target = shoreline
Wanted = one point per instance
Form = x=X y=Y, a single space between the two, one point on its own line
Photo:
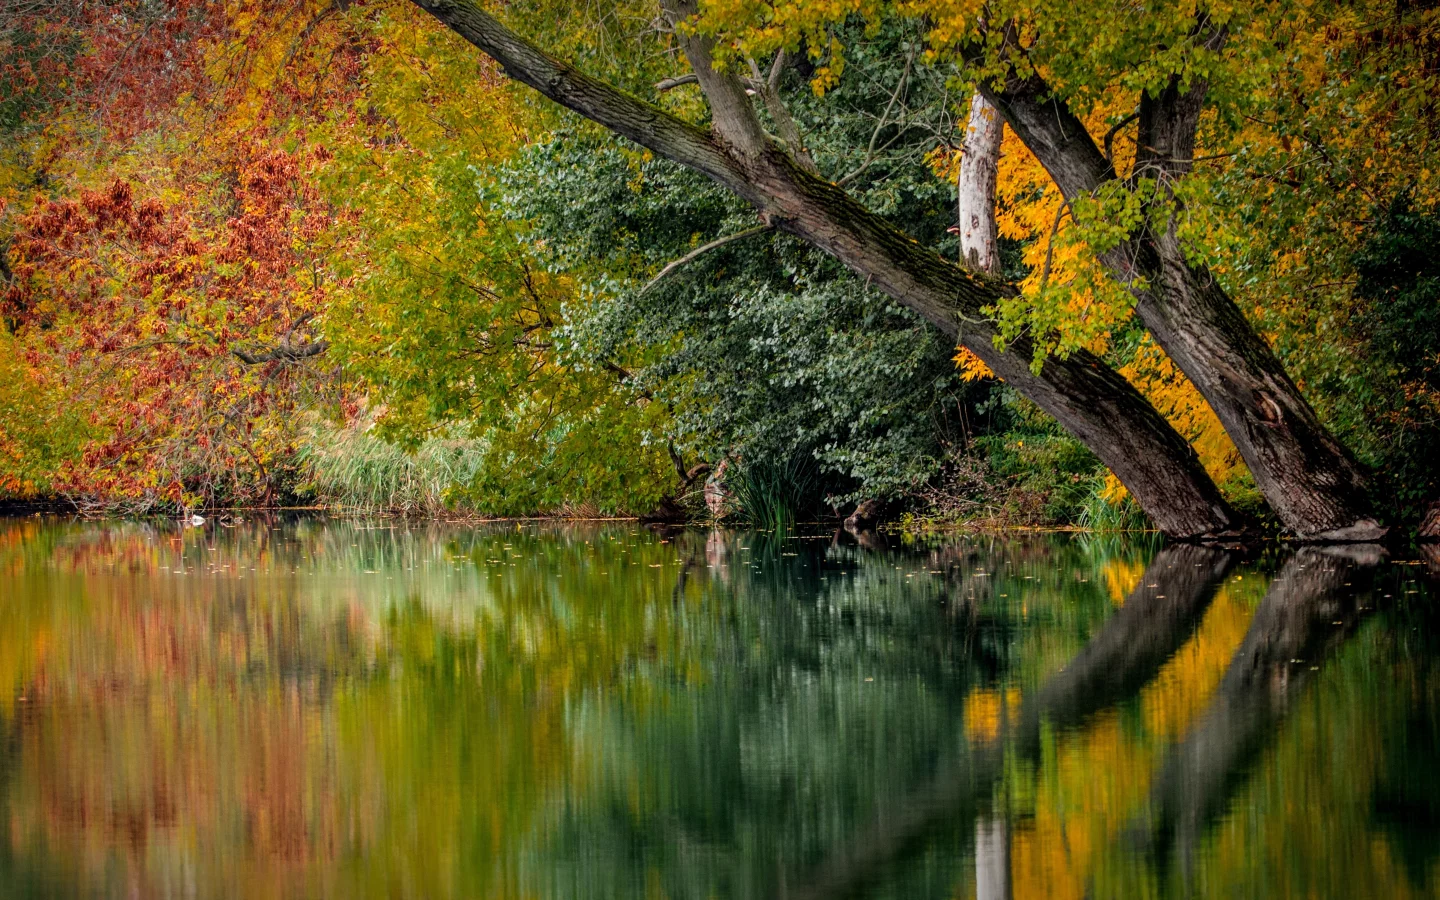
x=898 y=528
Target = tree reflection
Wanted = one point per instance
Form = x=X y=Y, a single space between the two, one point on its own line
x=1313 y=605
x=309 y=708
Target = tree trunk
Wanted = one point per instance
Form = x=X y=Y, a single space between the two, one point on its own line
x=975 y=187
x=1090 y=399
x=1311 y=482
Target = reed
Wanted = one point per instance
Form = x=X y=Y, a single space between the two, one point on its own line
x=775 y=495
x=358 y=472
x=1104 y=516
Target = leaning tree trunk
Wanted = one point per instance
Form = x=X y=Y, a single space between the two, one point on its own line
x=1310 y=480
x=975 y=187
x=1089 y=398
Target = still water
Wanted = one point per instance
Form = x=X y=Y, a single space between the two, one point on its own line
x=310 y=708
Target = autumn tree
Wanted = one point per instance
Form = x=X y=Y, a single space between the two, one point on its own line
x=249 y=226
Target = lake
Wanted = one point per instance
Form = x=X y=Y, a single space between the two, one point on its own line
x=301 y=707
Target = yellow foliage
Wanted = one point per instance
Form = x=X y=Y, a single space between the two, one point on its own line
x=1167 y=388
x=972 y=367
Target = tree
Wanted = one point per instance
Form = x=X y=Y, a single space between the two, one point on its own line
x=203 y=328
x=1310 y=479
x=273 y=233
x=1084 y=394
x=763 y=351
x=167 y=259
x=1048 y=69
x=449 y=319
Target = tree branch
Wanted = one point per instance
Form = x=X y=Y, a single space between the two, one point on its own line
x=880 y=125
x=1089 y=397
x=672 y=83
x=1110 y=137
x=283 y=353
x=701 y=251
x=644 y=123
x=769 y=91
x=732 y=115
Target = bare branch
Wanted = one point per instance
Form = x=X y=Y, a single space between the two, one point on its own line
x=701 y=251
x=1110 y=137
x=777 y=69
x=677 y=81
x=880 y=125
x=1050 y=244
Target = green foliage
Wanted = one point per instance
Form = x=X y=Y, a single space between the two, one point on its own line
x=38 y=435
x=1051 y=473
x=1398 y=272
x=450 y=322
x=1399 y=280
x=764 y=349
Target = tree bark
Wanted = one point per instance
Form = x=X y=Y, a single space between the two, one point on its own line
x=1310 y=480
x=1090 y=399
x=975 y=187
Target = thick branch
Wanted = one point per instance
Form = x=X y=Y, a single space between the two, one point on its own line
x=1169 y=119
x=283 y=353
x=769 y=91
x=732 y=115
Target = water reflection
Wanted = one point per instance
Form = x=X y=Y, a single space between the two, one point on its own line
x=307 y=708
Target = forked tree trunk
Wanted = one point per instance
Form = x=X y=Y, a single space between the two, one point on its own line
x=1310 y=480
x=1089 y=398
x=975 y=187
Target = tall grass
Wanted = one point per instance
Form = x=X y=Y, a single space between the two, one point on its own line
x=1101 y=515
x=775 y=495
x=358 y=472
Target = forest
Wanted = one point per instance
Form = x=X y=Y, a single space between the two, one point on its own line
x=941 y=262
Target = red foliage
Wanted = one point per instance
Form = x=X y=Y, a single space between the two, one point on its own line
x=203 y=325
